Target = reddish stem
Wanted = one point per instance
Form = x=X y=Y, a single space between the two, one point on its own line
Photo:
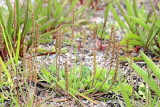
x=79 y=46
x=137 y=48
x=81 y=2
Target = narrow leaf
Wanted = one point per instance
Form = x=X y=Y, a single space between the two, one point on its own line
x=151 y=65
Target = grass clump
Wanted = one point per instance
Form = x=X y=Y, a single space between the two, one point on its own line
x=140 y=27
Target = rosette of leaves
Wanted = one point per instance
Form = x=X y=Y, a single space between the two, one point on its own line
x=141 y=26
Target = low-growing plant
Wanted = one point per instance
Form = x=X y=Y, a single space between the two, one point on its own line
x=151 y=84
x=141 y=27
x=19 y=23
x=22 y=28
x=83 y=81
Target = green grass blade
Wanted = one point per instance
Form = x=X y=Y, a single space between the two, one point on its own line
x=58 y=9
x=18 y=48
x=41 y=19
x=140 y=22
x=135 y=8
x=120 y=22
x=106 y=12
x=18 y=14
x=9 y=5
x=133 y=40
x=144 y=75
x=38 y=8
x=151 y=65
x=26 y=17
x=129 y=8
x=7 y=73
x=10 y=23
x=125 y=96
x=150 y=34
x=153 y=35
x=125 y=17
x=47 y=25
x=7 y=37
x=76 y=98
x=153 y=9
x=159 y=38
x=155 y=52
x=49 y=9
x=82 y=95
x=10 y=50
x=74 y=2
x=27 y=26
x=2 y=19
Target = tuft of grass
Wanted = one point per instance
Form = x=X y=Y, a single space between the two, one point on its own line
x=139 y=25
x=152 y=85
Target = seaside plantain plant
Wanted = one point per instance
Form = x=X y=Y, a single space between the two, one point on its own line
x=141 y=27
x=19 y=21
x=22 y=28
x=81 y=81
